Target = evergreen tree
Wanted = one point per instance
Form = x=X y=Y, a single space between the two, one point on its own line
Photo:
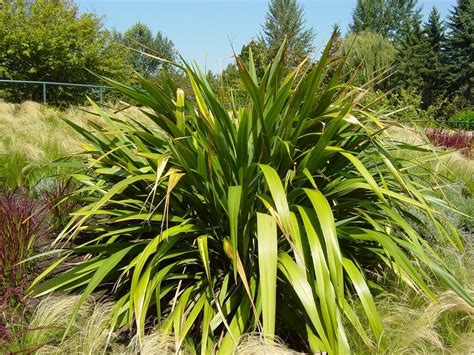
x=413 y=54
x=460 y=49
x=434 y=74
x=386 y=17
x=285 y=19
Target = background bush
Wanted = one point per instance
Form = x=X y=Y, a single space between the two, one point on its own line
x=51 y=41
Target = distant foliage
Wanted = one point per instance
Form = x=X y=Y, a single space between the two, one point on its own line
x=285 y=20
x=460 y=46
x=139 y=38
x=386 y=17
x=369 y=55
x=462 y=119
x=52 y=41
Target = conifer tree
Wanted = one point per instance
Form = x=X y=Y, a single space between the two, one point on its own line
x=386 y=17
x=434 y=73
x=460 y=49
x=285 y=19
x=413 y=55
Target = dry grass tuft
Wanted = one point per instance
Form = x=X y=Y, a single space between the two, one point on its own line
x=255 y=344
x=89 y=331
x=154 y=343
x=34 y=134
x=427 y=328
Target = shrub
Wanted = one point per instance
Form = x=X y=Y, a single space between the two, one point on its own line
x=54 y=41
x=462 y=119
x=268 y=217
x=407 y=104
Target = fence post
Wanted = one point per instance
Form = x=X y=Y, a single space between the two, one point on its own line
x=44 y=93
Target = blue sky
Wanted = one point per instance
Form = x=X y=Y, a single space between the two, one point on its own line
x=205 y=30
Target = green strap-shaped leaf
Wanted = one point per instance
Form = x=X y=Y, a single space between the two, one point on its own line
x=365 y=297
x=235 y=195
x=102 y=271
x=279 y=198
x=267 y=262
x=297 y=278
x=328 y=227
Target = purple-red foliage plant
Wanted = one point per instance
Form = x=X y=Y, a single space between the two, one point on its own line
x=21 y=224
x=459 y=140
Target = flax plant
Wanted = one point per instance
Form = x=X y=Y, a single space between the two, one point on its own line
x=213 y=220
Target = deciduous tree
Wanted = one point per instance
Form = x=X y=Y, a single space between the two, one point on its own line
x=52 y=41
x=369 y=55
x=140 y=40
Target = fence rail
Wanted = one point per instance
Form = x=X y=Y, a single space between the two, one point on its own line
x=44 y=85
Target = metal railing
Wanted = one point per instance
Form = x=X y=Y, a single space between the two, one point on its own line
x=44 y=85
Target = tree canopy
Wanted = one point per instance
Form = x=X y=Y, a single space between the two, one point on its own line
x=139 y=39
x=386 y=17
x=460 y=47
x=369 y=55
x=51 y=41
x=285 y=20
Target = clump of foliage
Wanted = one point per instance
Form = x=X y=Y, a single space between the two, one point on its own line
x=40 y=330
x=139 y=38
x=33 y=136
x=270 y=216
x=462 y=119
x=460 y=140
x=20 y=226
x=52 y=41
x=368 y=56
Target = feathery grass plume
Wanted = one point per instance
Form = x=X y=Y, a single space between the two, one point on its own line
x=415 y=324
x=429 y=327
x=42 y=331
x=154 y=343
x=90 y=334
x=34 y=135
x=255 y=344
x=267 y=218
